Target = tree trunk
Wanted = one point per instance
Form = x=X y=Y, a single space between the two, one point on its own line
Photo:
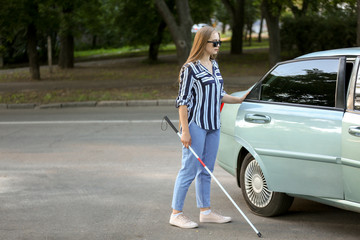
x=358 y=24
x=1 y=55
x=32 y=52
x=237 y=16
x=261 y=27
x=250 y=33
x=66 y=55
x=49 y=53
x=156 y=41
x=299 y=12
x=183 y=46
x=237 y=38
x=272 y=15
x=181 y=31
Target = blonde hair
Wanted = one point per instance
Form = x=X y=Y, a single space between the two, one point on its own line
x=199 y=45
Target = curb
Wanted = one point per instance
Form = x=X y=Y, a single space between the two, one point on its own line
x=129 y=103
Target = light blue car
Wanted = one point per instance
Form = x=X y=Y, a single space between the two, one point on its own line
x=297 y=134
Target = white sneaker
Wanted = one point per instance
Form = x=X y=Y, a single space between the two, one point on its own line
x=213 y=217
x=182 y=221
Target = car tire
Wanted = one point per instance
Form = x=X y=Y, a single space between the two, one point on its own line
x=257 y=196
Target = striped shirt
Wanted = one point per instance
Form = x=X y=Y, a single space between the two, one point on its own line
x=201 y=92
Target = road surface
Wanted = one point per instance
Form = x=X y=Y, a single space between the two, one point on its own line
x=108 y=173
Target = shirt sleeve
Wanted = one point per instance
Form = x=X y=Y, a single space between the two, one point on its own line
x=185 y=86
x=223 y=93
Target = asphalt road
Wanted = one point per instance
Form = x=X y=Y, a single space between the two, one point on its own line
x=108 y=173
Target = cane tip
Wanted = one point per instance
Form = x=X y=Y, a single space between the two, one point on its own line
x=259 y=234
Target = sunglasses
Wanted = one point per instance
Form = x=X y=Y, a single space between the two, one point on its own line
x=215 y=43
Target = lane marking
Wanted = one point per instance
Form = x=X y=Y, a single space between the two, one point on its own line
x=82 y=122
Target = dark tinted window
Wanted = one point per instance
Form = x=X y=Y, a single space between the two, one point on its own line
x=311 y=82
x=357 y=95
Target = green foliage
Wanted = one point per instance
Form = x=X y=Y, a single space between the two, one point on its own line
x=118 y=23
x=15 y=16
x=252 y=11
x=202 y=10
x=137 y=21
x=221 y=14
x=96 y=25
x=318 y=32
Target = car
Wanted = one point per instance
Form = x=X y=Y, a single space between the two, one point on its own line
x=297 y=134
x=196 y=27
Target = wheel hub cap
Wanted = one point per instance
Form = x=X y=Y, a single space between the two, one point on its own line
x=255 y=185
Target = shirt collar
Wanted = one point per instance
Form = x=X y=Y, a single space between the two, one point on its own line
x=198 y=62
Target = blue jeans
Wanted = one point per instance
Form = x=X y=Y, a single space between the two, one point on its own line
x=205 y=143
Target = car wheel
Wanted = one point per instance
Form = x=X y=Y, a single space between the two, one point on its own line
x=256 y=193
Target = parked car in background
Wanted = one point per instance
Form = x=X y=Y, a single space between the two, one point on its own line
x=196 y=27
x=297 y=134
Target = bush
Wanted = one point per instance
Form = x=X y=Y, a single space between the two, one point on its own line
x=315 y=33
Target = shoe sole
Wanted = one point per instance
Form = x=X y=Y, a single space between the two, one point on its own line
x=208 y=221
x=185 y=227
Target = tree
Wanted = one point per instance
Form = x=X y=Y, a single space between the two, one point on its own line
x=23 y=31
x=66 y=34
x=27 y=21
x=298 y=12
x=272 y=10
x=149 y=24
x=1 y=54
x=95 y=22
x=261 y=26
x=358 y=24
x=143 y=25
x=252 y=13
x=222 y=15
x=328 y=25
x=155 y=41
x=75 y=14
x=32 y=51
x=236 y=11
x=180 y=30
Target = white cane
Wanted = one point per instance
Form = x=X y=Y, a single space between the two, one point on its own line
x=211 y=174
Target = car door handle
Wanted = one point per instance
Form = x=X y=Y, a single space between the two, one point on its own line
x=355 y=131
x=257 y=118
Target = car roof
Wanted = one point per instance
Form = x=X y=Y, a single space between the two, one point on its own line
x=354 y=51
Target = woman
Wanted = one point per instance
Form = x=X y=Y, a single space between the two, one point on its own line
x=200 y=95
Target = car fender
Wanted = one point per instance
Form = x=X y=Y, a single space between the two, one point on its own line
x=252 y=151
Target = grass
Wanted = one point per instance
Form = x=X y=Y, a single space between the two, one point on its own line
x=142 y=50
x=119 y=78
x=120 y=52
x=79 y=95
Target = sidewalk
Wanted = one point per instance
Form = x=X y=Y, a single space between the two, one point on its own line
x=240 y=83
x=231 y=82
x=130 y=103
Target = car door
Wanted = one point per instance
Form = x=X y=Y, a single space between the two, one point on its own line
x=351 y=140
x=291 y=121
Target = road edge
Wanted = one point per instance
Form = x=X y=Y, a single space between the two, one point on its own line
x=129 y=103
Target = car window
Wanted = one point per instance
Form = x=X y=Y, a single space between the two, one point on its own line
x=310 y=82
x=357 y=95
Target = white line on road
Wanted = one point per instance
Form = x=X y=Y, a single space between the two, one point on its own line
x=81 y=122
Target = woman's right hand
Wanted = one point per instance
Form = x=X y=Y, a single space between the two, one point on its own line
x=185 y=132
x=186 y=139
